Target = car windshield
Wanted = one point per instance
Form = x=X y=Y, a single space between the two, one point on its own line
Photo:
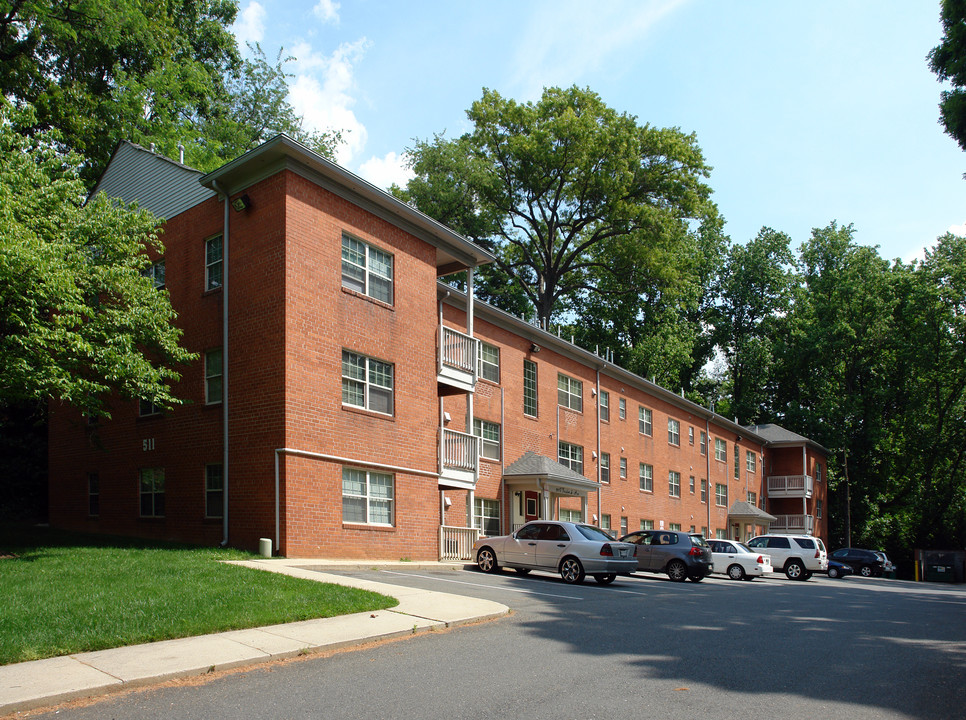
x=699 y=541
x=594 y=533
x=821 y=545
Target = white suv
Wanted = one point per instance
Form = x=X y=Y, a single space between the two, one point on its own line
x=798 y=555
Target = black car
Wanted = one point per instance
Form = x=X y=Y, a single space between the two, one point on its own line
x=867 y=563
x=837 y=569
x=681 y=555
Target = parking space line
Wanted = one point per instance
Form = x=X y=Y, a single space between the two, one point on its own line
x=492 y=587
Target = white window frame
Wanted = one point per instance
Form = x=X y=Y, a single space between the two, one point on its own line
x=367 y=498
x=721 y=492
x=486 y=512
x=704 y=442
x=213 y=376
x=751 y=462
x=704 y=491
x=691 y=484
x=530 y=388
x=623 y=468
x=605 y=467
x=149 y=482
x=646 y=477
x=570 y=392
x=720 y=450
x=374 y=373
x=604 y=406
x=647 y=524
x=622 y=408
x=155 y=273
x=674 y=432
x=570 y=515
x=645 y=421
x=571 y=456
x=214 y=267
x=490 y=435
x=487 y=367
x=674 y=483
x=751 y=497
x=366 y=267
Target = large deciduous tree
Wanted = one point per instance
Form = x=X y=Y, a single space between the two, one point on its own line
x=78 y=320
x=573 y=197
x=948 y=61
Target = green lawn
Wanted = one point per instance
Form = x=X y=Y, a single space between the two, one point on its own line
x=64 y=593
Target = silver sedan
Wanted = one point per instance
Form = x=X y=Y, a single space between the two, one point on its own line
x=572 y=549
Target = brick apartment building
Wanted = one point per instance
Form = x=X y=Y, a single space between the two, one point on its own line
x=346 y=403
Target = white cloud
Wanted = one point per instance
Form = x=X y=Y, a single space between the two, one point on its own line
x=383 y=172
x=327 y=11
x=321 y=94
x=958 y=230
x=249 y=26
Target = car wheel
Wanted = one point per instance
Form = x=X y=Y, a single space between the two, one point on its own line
x=736 y=572
x=807 y=575
x=572 y=571
x=606 y=579
x=486 y=560
x=865 y=571
x=833 y=572
x=523 y=571
x=677 y=571
x=696 y=578
x=794 y=570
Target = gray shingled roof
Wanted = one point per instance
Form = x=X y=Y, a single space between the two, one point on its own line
x=533 y=465
x=742 y=509
x=777 y=435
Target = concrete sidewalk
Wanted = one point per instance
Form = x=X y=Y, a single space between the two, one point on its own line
x=55 y=680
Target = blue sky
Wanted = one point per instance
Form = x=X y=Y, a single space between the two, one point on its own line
x=808 y=112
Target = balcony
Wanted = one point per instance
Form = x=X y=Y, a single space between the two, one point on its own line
x=459 y=459
x=790 y=486
x=793 y=524
x=456 y=365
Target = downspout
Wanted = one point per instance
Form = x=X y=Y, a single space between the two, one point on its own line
x=805 y=484
x=224 y=376
x=503 y=454
x=599 y=486
x=707 y=470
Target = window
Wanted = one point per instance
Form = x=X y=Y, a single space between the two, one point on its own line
x=489 y=365
x=674 y=483
x=366 y=269
x=622 y=405
x=570 y=392
x=605 y=521
x=529 y=388
x=214 y=491
x=647 y=477
x=647 y=524
x=213 y=378
x=94 y=494
x=604 y=405
x=737 y=464
x=623 y=526
x=752 y=498
x=720 y=494
x=490 y=434
x=749 y=461
x=213 y=266
x=155 y=272
x=367 y=497
x=571 y=515
x=721 y=534
x=623 y=468
x=366 y=383
x=486 y=516
x=572 y=456
x=673 y=432
x=644 y=421
x=674 y=526
x=151 y=481
x=146 y=407
x=691 y=484
x=605 y=467
x=704 y=442
x=690 y=436
x=704 y=531
x=818 y=473
x=691 y=529
x=720 y=450
x=704 y=491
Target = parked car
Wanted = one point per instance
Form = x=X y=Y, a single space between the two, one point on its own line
x=572 y=549
x=737 y=561
x=837 y=569
x=887 y=565
x=798 y=555
x=679 y=554
x=867 y=563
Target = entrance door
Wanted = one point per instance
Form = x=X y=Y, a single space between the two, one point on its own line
x=531 y=506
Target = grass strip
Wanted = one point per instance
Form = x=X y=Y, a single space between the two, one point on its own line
x=63 y=593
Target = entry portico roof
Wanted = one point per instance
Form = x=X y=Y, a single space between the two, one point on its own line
x=741 y=510
x=532 y=466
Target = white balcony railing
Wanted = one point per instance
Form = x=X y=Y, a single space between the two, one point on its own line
x=456 y=543
x=804 y=524
x=457 y=361
x=790 y=486
x=459 y=457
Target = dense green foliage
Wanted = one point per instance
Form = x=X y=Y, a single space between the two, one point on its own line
x=64 y=593
x=948 y=61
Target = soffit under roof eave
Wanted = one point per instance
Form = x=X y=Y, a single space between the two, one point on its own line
x=283 y=153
